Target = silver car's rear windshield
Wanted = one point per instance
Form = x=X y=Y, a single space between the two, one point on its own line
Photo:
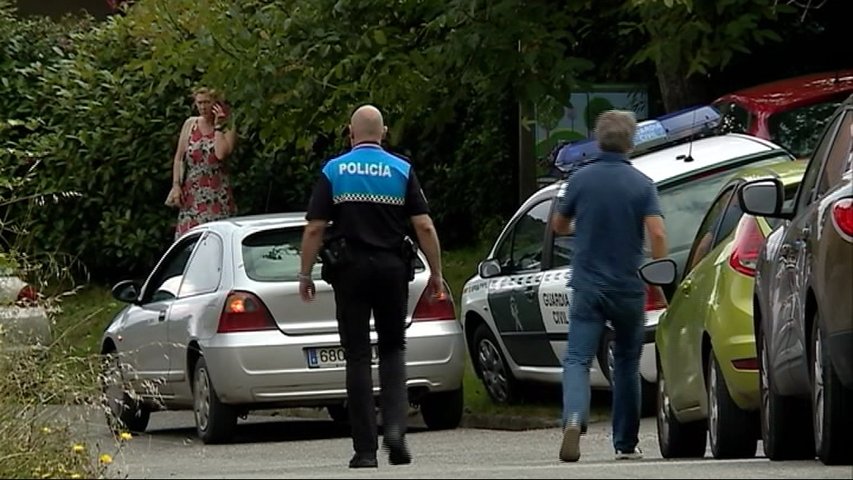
x=273 y=255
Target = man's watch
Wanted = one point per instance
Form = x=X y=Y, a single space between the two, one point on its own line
x=304 y=276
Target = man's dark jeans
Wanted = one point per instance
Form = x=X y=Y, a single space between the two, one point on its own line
x=375 y=281
x=587 y=314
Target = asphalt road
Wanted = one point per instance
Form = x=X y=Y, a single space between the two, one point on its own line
x=274 y=447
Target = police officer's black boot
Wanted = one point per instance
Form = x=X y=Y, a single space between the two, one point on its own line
x=398 y=451
x=395 y=405
x=363 y=461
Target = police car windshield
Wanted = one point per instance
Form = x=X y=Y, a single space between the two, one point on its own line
x=685 y=203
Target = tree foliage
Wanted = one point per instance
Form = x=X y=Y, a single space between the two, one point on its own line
x=100 y=104
x=106 y=107
x=690 y=38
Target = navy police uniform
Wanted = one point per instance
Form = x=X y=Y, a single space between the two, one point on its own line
x=369 y=196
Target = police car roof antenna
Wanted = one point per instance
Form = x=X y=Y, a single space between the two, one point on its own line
x=689 y=157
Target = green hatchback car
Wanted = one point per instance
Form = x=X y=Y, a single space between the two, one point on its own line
x=706 y=362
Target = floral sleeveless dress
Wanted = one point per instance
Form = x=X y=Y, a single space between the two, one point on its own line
x=206 y=193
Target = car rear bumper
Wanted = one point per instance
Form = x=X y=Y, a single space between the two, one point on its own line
x=742 y=383
x=269 y=367
x=733 y=341
x=24 y=326
x=841 y=355
x=648 y=367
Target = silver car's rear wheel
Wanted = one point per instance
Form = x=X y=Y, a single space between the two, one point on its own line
x=202 y=400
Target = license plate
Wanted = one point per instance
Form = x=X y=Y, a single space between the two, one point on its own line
x=330 y=357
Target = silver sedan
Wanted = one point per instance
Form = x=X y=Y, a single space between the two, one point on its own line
x=218 y=327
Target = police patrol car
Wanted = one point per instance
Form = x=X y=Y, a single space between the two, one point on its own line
x=515 y=310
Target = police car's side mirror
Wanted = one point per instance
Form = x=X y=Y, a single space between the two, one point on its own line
x=489 y=268
x=659 y=272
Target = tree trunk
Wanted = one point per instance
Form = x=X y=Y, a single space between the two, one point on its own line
x=677 y=90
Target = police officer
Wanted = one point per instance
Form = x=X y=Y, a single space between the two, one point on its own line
x=372 y=198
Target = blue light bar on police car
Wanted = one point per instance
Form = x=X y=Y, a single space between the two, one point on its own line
x=668 y=129
x=690 y=121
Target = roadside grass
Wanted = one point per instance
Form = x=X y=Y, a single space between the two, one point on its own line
x=48 y=394
x=84 y=316
x=86 y=313
x=460 y=265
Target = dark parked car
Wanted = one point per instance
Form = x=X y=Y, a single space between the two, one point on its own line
x=803 y=304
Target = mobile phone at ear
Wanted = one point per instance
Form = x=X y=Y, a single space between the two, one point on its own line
x=225 y=108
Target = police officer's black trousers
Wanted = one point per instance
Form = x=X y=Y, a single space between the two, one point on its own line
x=374 y=281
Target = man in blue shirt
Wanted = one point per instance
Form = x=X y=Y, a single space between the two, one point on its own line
x=609 y=204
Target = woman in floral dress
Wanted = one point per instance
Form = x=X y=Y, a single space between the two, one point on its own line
x=201 y=185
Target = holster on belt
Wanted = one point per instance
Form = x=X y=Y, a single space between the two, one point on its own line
x=409 y=252
x=335 y=255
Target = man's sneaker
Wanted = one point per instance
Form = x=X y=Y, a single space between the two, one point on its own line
x=635 y=454
x=570 y=450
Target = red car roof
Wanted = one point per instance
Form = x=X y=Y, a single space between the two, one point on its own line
x=792 y=92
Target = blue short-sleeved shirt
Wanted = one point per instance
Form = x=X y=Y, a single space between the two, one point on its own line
x=609 y=200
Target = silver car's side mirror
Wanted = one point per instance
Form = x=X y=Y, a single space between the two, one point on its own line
x=126 y=291
x=489 y=268
x=762 y=198
x=659 y=272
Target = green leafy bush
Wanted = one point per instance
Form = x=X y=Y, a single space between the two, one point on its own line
x=102 y=108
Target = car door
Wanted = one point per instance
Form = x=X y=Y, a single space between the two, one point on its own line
x=144 y=335
x=554 y=294
x=682 y=326
x=514 y=297
x=787 y=334
x=198 y=304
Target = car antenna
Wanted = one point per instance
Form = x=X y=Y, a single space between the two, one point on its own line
x=689 y=157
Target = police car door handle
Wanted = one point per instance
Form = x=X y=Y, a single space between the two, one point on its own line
x=530 y=292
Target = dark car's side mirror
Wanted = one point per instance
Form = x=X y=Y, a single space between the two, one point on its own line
x=659 y=272
x=489 y=268
x=762 y=198
x=127 y=291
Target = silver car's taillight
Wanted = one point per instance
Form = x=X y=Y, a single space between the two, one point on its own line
x=245 y=312
x=431 y=308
